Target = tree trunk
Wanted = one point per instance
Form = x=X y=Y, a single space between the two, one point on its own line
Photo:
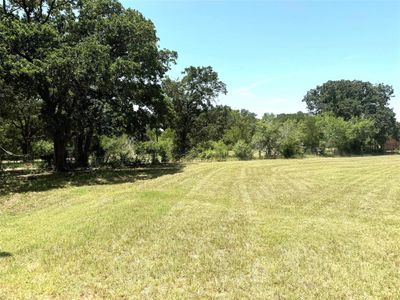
x=153 y=157
x=82 y=160
x=59 y=152
x=26 y=147
x=83 y=143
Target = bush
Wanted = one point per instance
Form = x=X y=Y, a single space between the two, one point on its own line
x=265 y=138
x=209 y=151
x=42 y=148
x=360 y=134
x=220 y=150
x=290 y=141
x=158 y=147
x=243 y=151
x=166 y=141
x=118 y=150
x=215 y=151
x=353 y=136
x=207 y=154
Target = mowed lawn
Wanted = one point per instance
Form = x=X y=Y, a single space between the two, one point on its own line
x=283 y=229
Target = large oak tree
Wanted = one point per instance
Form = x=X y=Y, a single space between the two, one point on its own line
x=349 y=99
x=90 y=61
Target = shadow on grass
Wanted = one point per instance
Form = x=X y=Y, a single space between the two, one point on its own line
x=22 y=181
x=5 y=254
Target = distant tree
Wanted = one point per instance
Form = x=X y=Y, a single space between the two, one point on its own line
x=7 y=139
x=216 y=151
x=265 y=138
x=299 y=116
x=360 y=134
x=118 y=149
x=333 y=131
x=396 y=134
x=158 y=146
x=348 y=99
x=242 y=150
x=307 y=123
x=268 y=117
x=195 y=93
x=290 y=139
x=242 y=127
x=311 y=134
x=211 y=125
x=21 y=111
x=353 y=136
x=24 y=118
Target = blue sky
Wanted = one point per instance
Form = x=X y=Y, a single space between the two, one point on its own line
x=270 y=53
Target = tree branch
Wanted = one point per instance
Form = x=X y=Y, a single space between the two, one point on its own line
x=25 y=56
x=4 y=7
x=51 y=7
x=26 y=10
x=39 y=15
x=16 y=125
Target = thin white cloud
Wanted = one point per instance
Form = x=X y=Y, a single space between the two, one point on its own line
x=258 y=83
x=258 y=103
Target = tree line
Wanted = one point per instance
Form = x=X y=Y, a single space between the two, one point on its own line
x=84 y=82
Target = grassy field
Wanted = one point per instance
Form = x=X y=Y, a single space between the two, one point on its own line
x=284 y=229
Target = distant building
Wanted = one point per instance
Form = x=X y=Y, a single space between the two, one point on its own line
x=391 y=144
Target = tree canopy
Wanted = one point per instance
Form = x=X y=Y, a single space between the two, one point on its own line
x=88 y=78
x=195 y=93
x=82 y=59
x=348 y=99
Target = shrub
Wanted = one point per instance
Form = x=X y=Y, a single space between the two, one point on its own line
x=209 y=151
x=266 y=137
x=360 y=134
x=158 y=147
x=353 y=136
x=42 y=148
x=118 y=150
x=166 y=141
x=333 y=132
x=220 y=150
x=243 y=151
x=290 y=139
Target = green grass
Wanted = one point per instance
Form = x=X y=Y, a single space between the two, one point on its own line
x=312 y=228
